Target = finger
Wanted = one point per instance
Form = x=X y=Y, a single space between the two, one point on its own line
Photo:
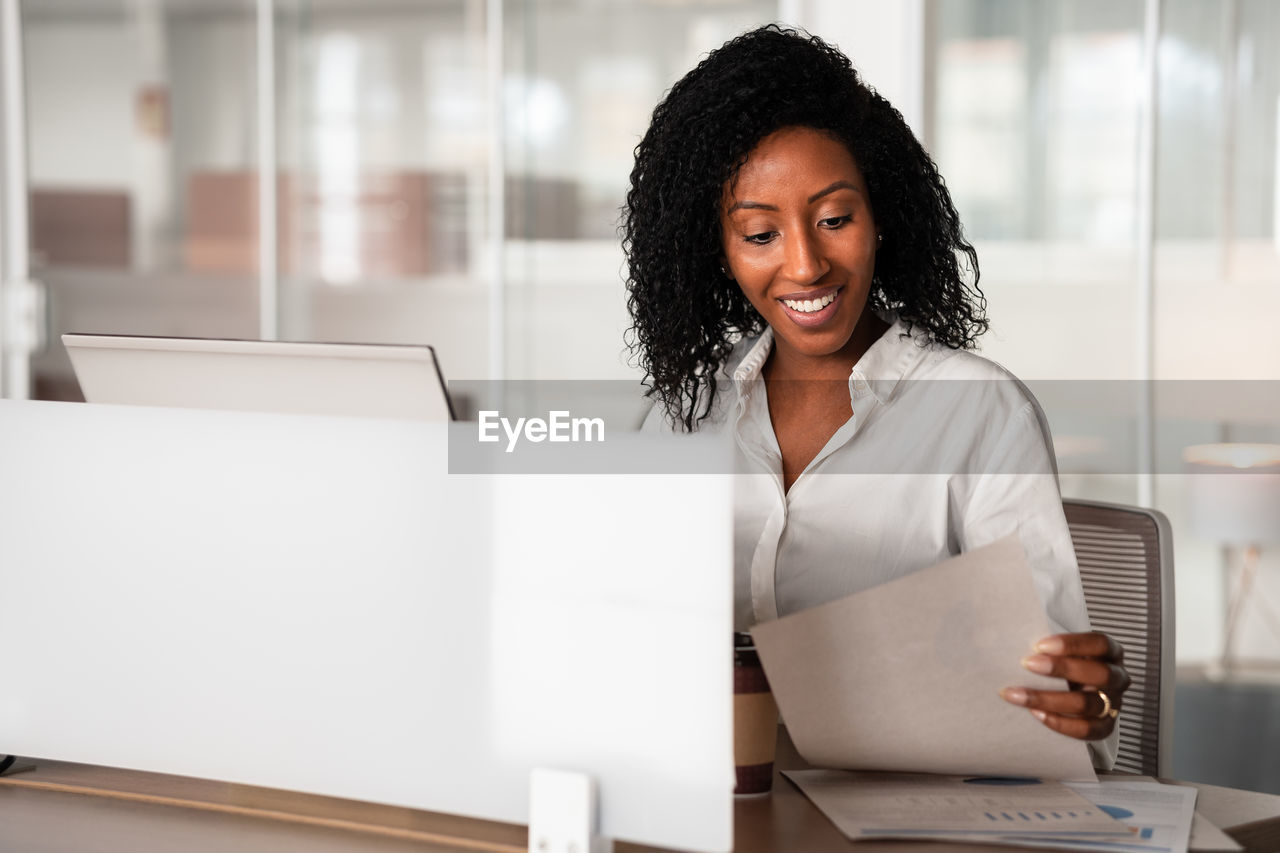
x=1092 y=645
x=1071 y=703
x=1081 y=728
x=1086 y=672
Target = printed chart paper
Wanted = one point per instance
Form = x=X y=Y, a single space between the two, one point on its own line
x=905 y=676
x=1158 y=816
x=979 y=809
x=1205 y=837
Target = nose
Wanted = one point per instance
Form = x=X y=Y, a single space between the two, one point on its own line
x=804 y=262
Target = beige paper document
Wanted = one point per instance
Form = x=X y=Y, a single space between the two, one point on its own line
x=905 y=676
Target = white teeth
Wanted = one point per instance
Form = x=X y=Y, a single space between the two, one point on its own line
x=808 y=306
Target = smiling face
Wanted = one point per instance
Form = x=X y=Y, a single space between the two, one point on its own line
x=800 y=239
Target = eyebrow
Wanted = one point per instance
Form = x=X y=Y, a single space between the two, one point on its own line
x=838 y=185
x=828 y=190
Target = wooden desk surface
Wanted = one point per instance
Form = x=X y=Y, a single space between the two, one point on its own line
x=62 y=807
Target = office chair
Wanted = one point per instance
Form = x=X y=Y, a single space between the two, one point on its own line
x=1126 y=565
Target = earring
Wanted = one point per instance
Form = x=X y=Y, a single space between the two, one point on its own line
x=879 y=239
x=725 y=272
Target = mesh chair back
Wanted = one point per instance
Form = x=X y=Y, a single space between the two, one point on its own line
x=1126 y=565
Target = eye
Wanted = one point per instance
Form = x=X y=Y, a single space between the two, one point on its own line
x=760 y=239
x=834 y=222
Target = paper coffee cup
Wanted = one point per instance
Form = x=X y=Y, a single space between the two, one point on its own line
x=755 y=720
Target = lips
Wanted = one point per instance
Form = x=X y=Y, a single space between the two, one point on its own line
x=811 y=318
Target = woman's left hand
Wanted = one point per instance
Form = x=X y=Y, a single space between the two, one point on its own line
x=1093 y=665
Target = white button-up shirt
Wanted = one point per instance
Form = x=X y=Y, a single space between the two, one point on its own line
x=945 y=452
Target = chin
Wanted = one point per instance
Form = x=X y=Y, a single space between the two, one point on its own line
x=816 y=345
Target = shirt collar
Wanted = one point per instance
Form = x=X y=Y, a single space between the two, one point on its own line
x=879 y=370
x=752 y=363
x=887 y=360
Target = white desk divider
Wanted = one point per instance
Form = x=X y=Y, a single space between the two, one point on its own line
x=316 y=604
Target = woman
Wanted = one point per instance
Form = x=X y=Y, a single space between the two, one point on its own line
x=795 y=277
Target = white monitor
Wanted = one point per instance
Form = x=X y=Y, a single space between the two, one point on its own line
x=361 y=380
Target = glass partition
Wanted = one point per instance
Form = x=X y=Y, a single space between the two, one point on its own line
x=1217 y=267
x=1035 y=122
x=386 y=135
x=141 y=166
x=383 y=142
x=144 y=147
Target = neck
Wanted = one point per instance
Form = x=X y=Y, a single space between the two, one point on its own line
x=787 y=364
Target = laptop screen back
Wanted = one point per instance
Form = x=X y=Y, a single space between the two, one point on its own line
x=359 y=380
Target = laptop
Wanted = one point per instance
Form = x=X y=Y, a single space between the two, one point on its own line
x=358 y=380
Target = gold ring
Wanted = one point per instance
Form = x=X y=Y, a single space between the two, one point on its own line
x=1107 y=710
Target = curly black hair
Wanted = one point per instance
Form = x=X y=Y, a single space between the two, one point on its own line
x=686 y=314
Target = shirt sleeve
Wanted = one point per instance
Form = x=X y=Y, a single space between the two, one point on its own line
x=1017 y=492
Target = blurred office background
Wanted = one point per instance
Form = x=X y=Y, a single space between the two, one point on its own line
x=450 y=172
